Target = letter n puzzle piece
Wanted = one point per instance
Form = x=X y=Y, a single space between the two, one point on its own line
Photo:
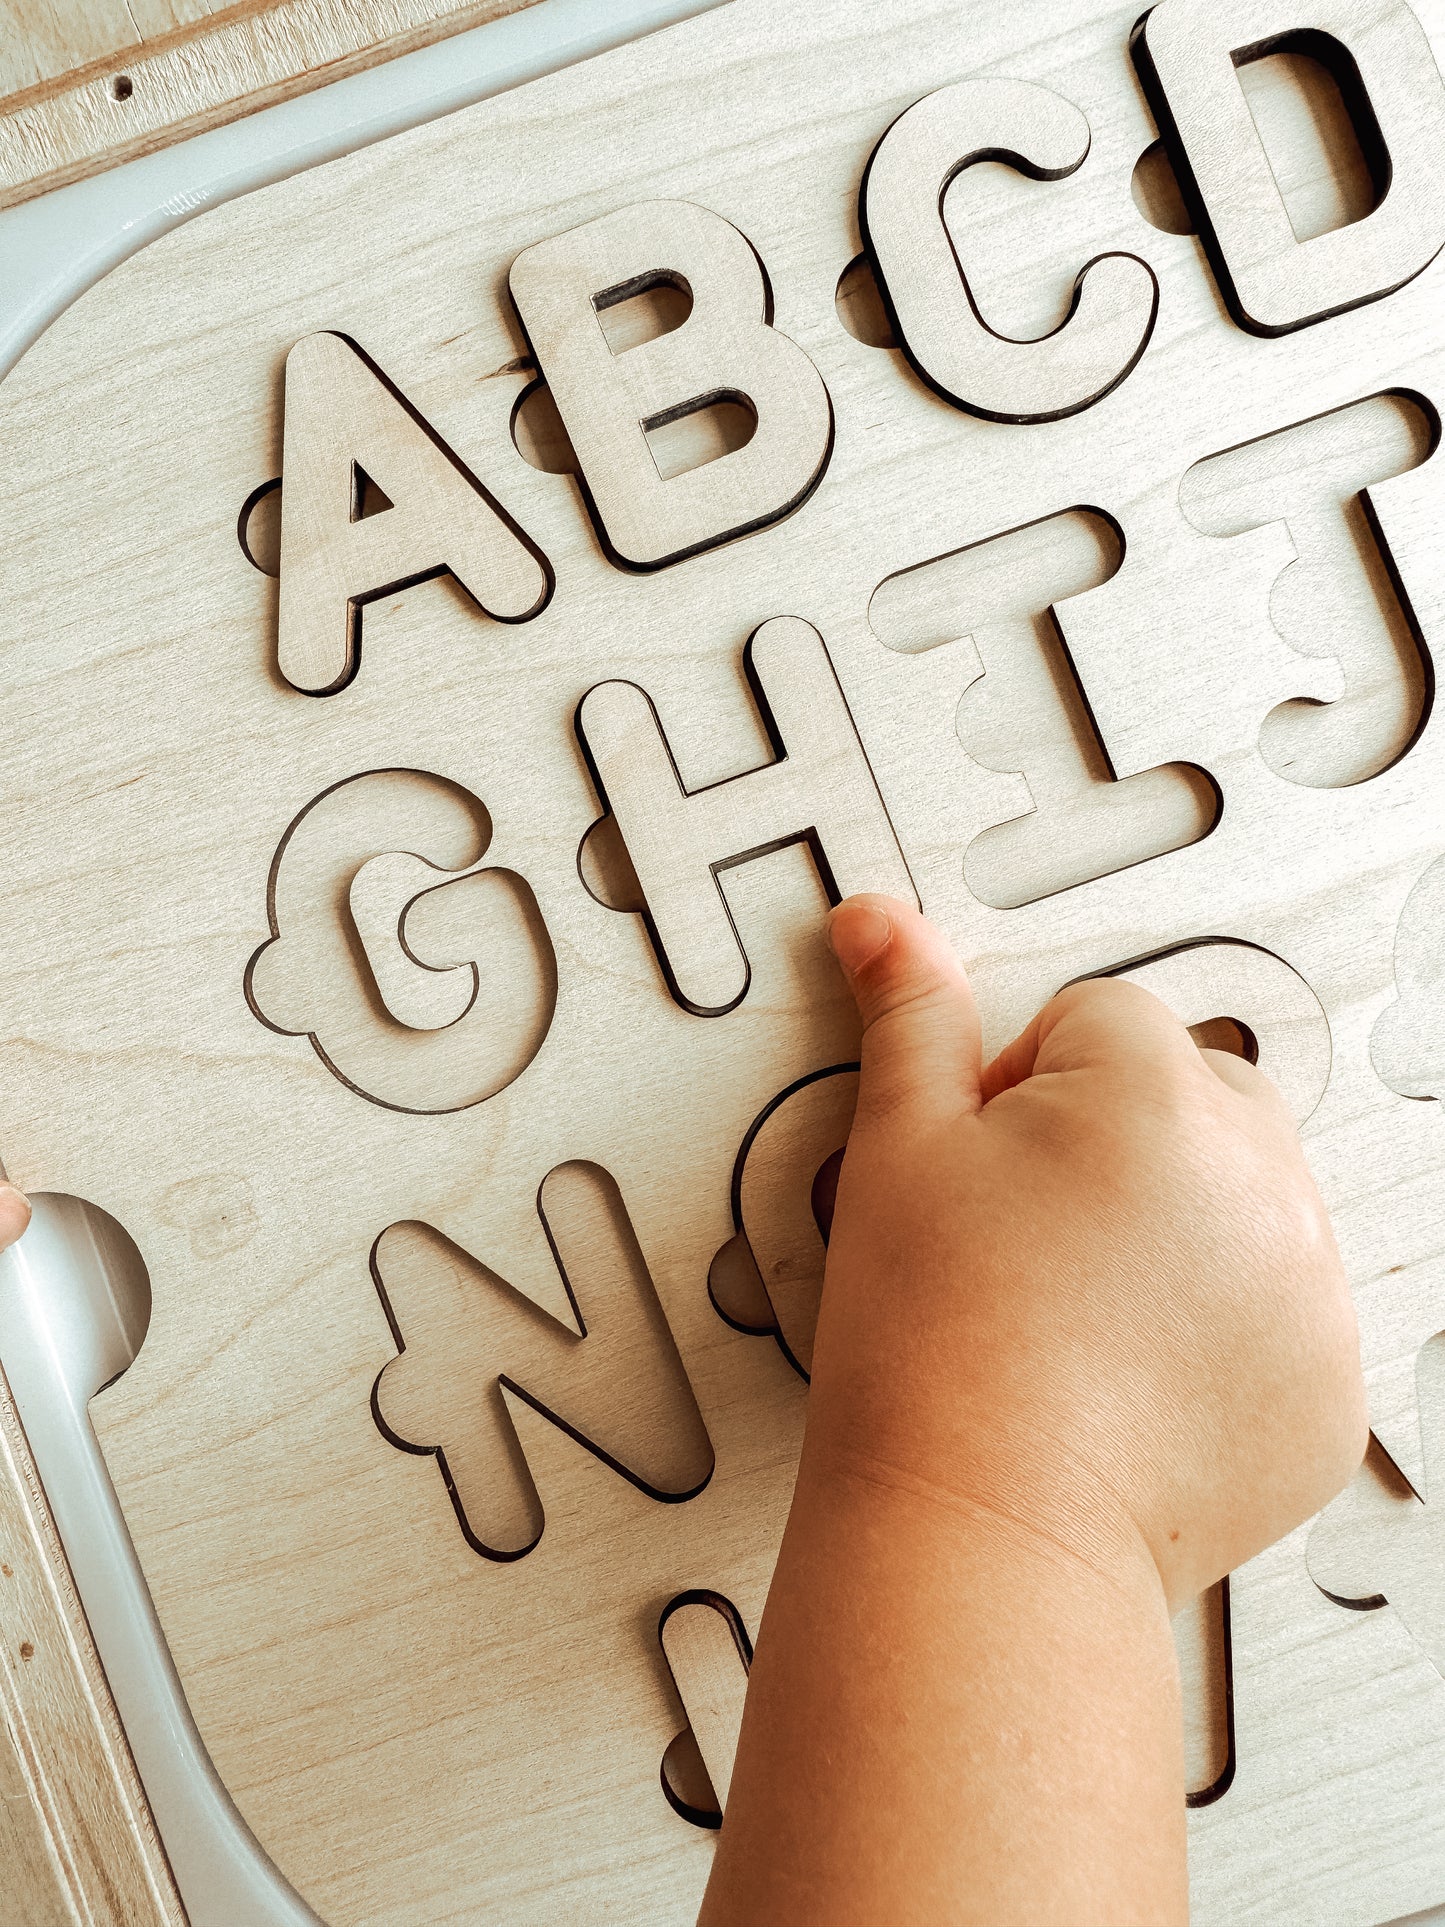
x=820 y=790
x=347 y=426
x=466 y=1338
x=726 y=350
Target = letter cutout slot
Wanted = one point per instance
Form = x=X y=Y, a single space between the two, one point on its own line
x=424 y=983
x=1027 y=711
x=1341 y=596
x=1407 y=1045
x=936 y=311
x=819 y=791
x=1192 y=56
x=1383 y=1544
x=468 y=1342
x=708 y=1653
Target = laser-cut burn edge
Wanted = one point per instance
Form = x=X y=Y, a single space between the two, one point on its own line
x=507 y=1383
x=709 y=1818
x=549 y=962
x=1031 y=171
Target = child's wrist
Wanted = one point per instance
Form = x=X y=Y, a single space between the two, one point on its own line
x=993 y=1483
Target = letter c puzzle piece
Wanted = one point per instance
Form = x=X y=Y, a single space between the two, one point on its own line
x=1116 y=296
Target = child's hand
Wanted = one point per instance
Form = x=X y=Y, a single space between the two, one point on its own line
x=14 y=1214
x=1085 y=1344
x=1095 y=1282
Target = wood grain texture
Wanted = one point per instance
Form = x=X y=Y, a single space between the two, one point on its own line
x=87 y=83
x=418 y=1733
x=77 y=1846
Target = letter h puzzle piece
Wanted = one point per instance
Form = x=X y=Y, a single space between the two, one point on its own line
x=820 y=790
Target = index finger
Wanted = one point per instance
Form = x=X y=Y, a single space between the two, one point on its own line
x=1097 y=1021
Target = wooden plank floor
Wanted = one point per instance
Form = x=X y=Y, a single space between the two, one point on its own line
x=87 y=83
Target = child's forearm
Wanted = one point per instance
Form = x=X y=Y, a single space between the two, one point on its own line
x=1085 y=1345
x=952 y=1717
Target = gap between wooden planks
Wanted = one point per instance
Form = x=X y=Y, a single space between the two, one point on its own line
x=89 y=83
x=77 y=1842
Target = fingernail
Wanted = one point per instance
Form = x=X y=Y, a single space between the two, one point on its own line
x=857 y=932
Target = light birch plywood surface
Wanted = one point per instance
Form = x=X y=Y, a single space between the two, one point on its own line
x=215 y=1019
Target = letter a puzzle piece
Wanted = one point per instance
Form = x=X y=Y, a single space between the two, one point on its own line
x=345 y=422
x=726 y=349
x=820 y=790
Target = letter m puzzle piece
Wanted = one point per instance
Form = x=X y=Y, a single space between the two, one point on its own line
x=820 y=791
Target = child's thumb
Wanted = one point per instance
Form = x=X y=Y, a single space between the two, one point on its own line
x=14 y=1213
x=921 y=1047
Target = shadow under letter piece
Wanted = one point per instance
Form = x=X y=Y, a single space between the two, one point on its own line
x=1407 y=1045
x=1029 y=714
x=1380 y=1543
x=1191 y=55
x=373 y=501
x=1341 y=597
x=467 y=1339
x=936 y=312
x=424 y=985
x=708 y=1653
x=819 y=791
x=622 y=390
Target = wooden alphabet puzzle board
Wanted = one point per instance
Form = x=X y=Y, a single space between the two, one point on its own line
x=819 y=447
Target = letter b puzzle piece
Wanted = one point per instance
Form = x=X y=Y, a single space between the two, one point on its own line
x=725 y=350
x=820 y=790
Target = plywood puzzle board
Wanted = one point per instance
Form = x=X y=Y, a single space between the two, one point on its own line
x=707 y=486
